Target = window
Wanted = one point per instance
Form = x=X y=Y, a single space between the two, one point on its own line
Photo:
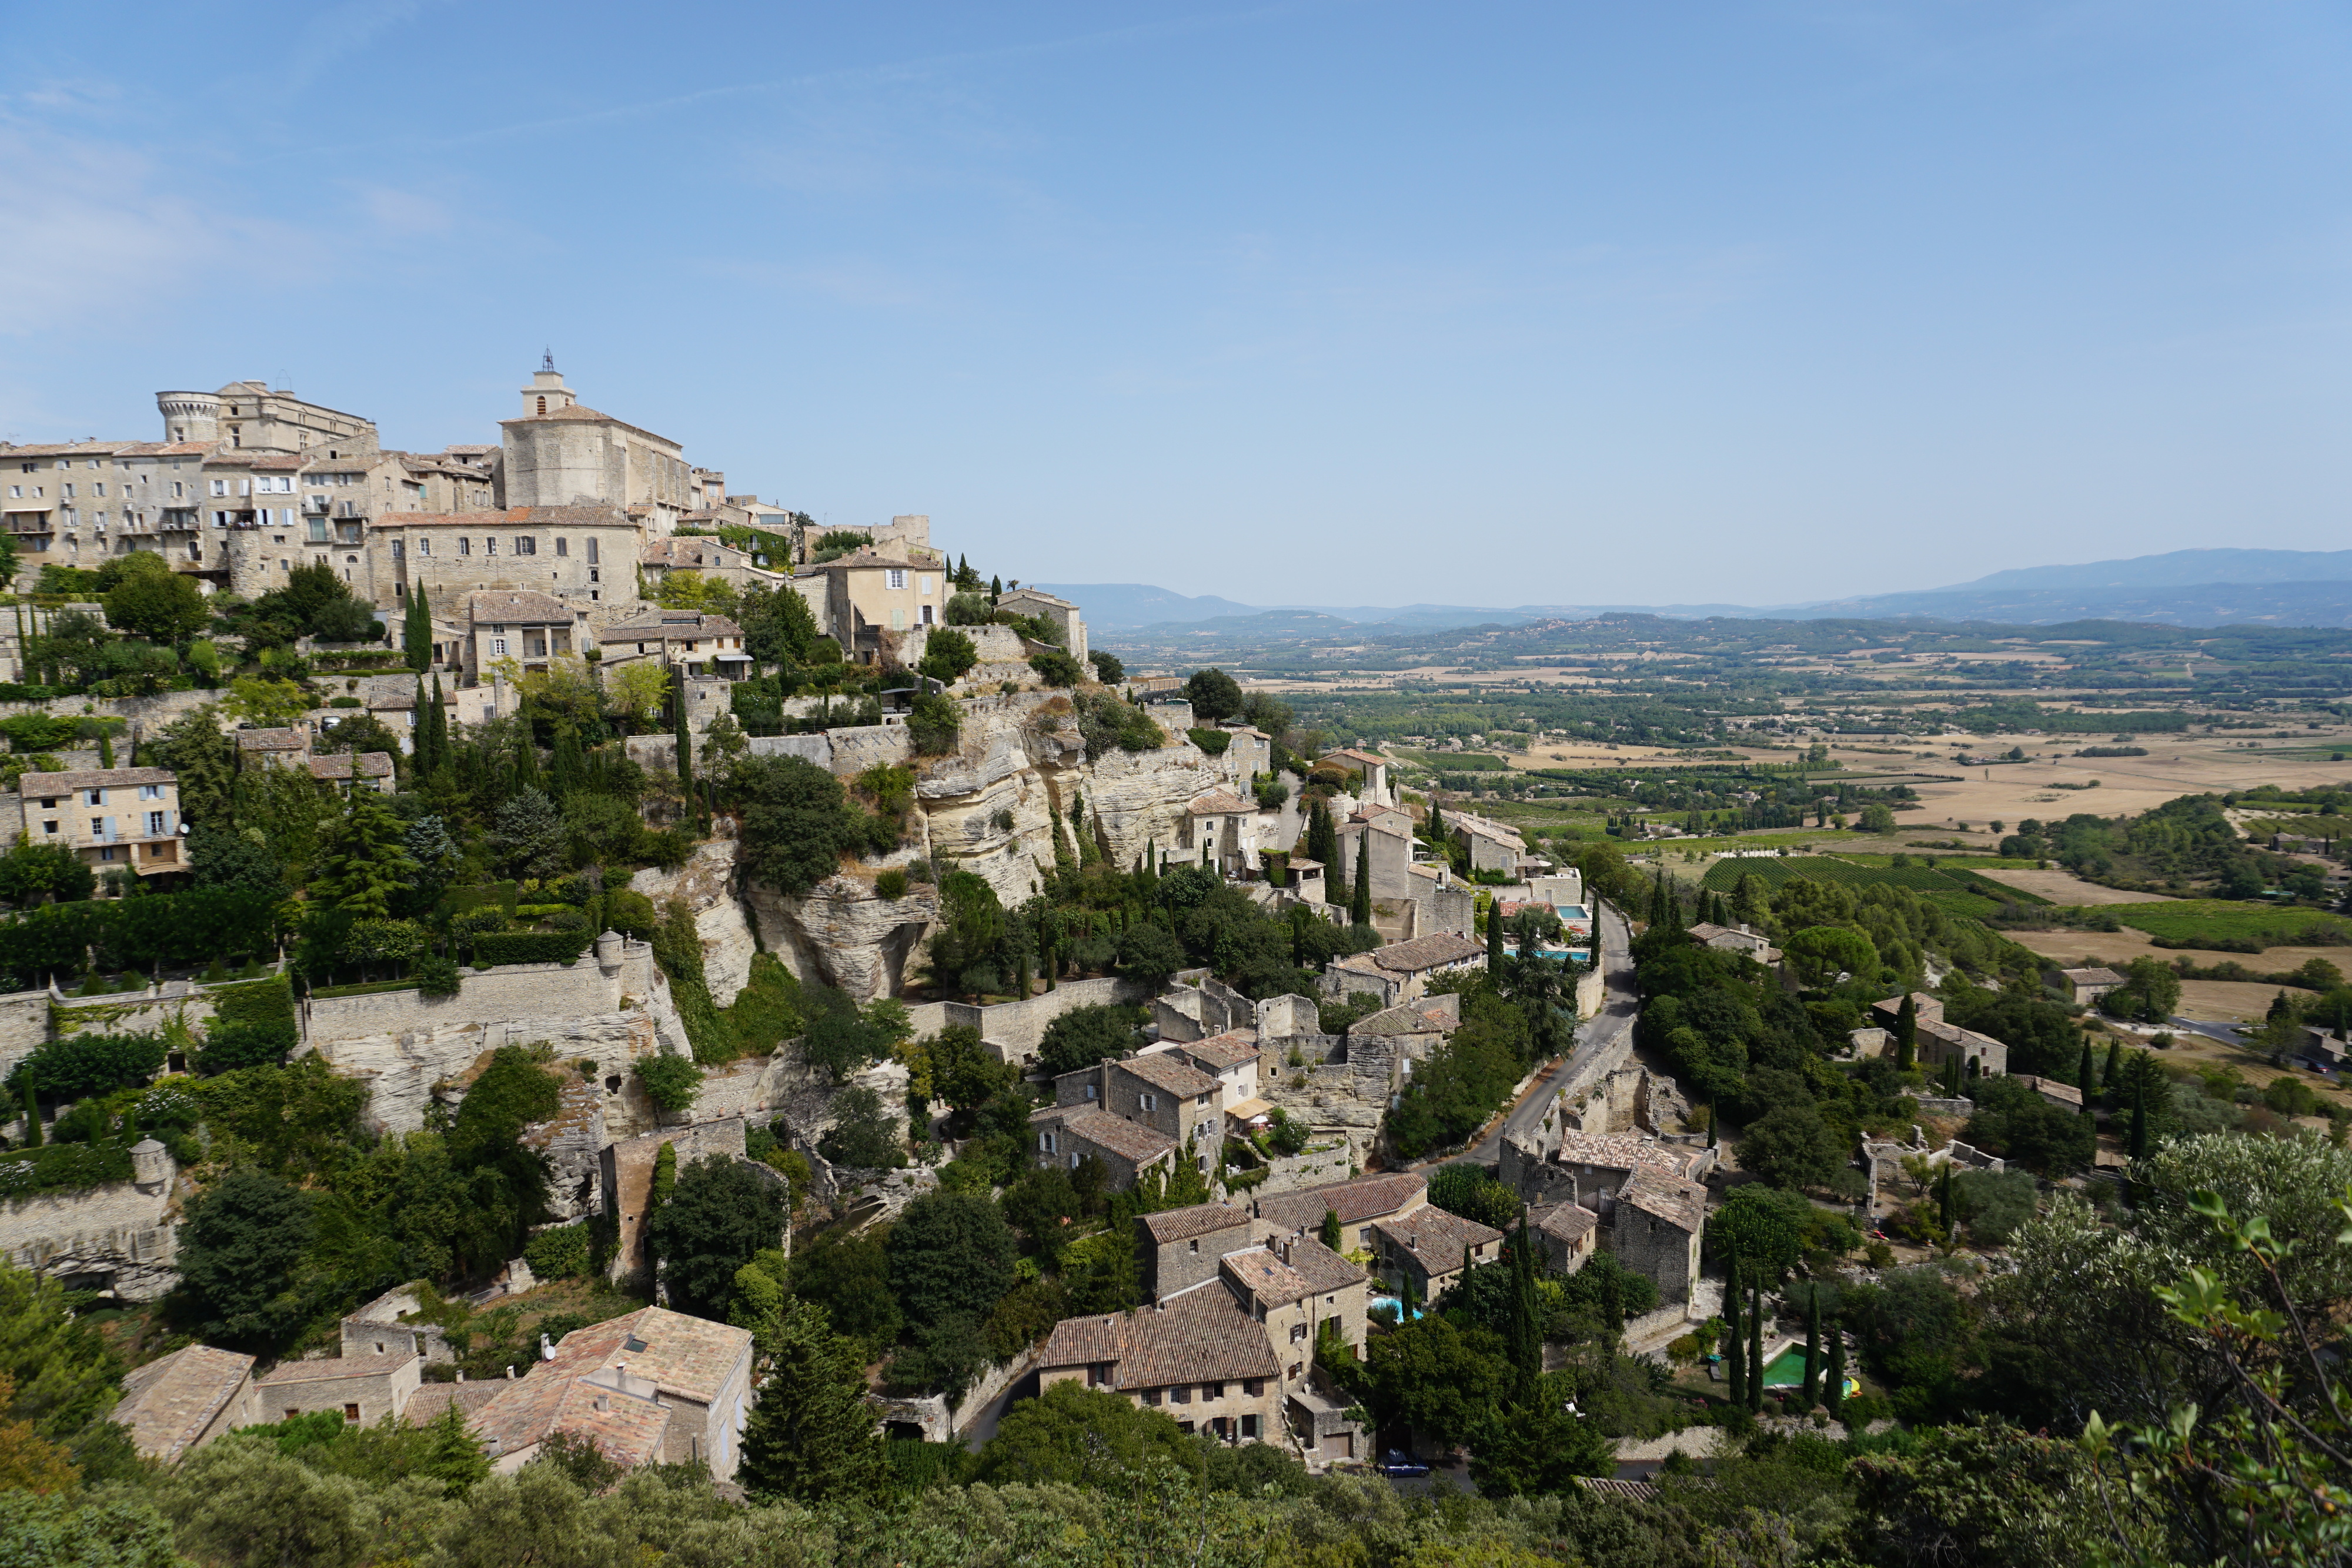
x=15 y=492
x=1183 y=1394
x=97 y=488
x=464 y=547
x=98 y=827
x=498 y=647
x=1213 y=1391
x=151 y=792
x=1295 y=1368
x=1045 y=1143
x=923 y=584
x=351 y=1412
x=1249 y=1427
x=1196 y=1248
x=896 y=579
x=66 y=491
x=1074 y=1159
x=49 y=827
x=1151 y=1396
x=1298 y=1336
x=926 y=615
x=491 y=546
x=563 y=547
x=592 y=558
x=1150 y=1102
x=525 y=545
x=397 y=553
x=94 y=797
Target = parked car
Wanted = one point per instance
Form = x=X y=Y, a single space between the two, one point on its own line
x=1396 y=1462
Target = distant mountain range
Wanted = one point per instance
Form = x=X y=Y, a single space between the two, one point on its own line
x=2181 y=588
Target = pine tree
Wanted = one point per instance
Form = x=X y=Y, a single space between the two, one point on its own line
x=1735 y=1341
x=1907 y=1033
x=1833 y=1385
x=1813 y=1353
x=812 y=1437
x=363 y=854
x=1359 y=907
x=416 y=630
x=453 y=1454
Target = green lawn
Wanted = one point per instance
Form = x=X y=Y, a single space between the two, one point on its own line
x=2193 y=921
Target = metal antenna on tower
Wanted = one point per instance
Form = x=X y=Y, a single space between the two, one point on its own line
x=547 y=360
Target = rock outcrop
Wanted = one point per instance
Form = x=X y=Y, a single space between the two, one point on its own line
x=706 y=885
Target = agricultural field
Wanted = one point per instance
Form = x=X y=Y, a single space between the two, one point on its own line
x=2221 y=925
x=1955 y=890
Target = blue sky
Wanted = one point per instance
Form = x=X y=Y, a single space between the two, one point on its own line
x=1339 y=303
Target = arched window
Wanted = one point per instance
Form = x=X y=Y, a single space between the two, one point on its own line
x=542 y=406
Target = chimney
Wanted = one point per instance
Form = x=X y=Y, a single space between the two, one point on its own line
x=461 y=1374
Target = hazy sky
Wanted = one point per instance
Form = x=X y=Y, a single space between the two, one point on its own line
x=1301 y=303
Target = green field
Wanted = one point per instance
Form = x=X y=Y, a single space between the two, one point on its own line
x=2194 y=920
x=1460 y=762
x=1958 y=892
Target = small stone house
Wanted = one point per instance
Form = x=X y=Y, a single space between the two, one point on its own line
x=1490 y=845
x=1734 y=939
x=1569 y=1234
x=1939 y=1042
x=1292 y=1286
x=1199 y=1359
x=653 y=1386
x=1181 y=1247
x=1220 y=831
x=1375 y=789
x=180 y=1402
x=2085 y=986
x=1430 y=1247
x=1067 y=1134
x=363 y=1389
x=1159 y=1091
x=1402 y=971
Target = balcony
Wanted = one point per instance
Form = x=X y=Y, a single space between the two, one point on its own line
x=318 y=503
x=351 y=510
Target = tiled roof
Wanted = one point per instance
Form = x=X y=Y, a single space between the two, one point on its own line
x=1163 y=1071
x=106 y=778
x=1405 y=1018
x=338 y=765
x=1569 y=1221
x=1322 y=1268
x=68 y=449
x=1265 y=1277
x=272 y=740
x=335 y=1367
x=580 y=414
x=2092 y=977
x=1130 y=1141
x=503 y=604
x=1038 y=596
x=431 y=1398
x=1626 y=1151
x=1195 y=1219
x=2050 y=1089
x=1682 y=1203
x=1218 y=803
x=692 y=1356
x=1355 y=1200
x=1361 y=758
x=675 y=628
x=1439 y=1240
x=1439 y=947
x=1220 y=1051
x=1199 y=1338
x=628 y=1429
x=168 y=1403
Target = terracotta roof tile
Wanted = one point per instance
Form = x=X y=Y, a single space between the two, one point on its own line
x=1163 y=1071
x=168 y=1403
x=1354 y=1201
x=1440 y=1239
x=1218 y=803
x=1680 y=1202
x=682 y=1355
x=1130 y=1141
x=525 y=605
x=1203 y=1337
x=1195 y=1219
x=1265 y=1277
x=331 y=1369
x=338 y=765
x=105 y=778
x=1430 y=952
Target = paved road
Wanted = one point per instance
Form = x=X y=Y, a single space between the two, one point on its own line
x=1594 y=1036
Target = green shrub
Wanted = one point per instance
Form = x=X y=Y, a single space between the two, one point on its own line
x=86 y=1064
x=495 y=947
x=670 y=1081
x=56 y=1166
x=560 y=1253
x=344 y=702
x=1211 y=742
x=436 y=976
x=630 y=912
x=477 y=923
x=230 y=1045
x=891 y=884
x=1056 y=668
x=566 y=918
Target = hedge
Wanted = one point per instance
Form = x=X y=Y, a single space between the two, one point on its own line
x=495 y=948
x=458 y=900
x=183 y=928
x=56 y=1166
x=1211 y=742
x=85 y=1064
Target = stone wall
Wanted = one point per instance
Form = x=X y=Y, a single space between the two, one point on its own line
x=628 y=1176
x=113 y=1238
x=1592 y=994
x=1312 y=1167
x=857 y=749
x=23 y=1027
x=1015 y=1029
x=134 y=1013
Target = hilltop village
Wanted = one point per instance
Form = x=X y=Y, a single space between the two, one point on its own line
x=526 y=964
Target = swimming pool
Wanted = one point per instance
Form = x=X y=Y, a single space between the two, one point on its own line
x=1787 y=1370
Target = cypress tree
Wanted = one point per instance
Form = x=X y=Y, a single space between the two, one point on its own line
x=32 y=1115
x=1755 y=1347
x=526 y=759
x=1714 y=1125
x=2083 y=1076
x=1813 y=1351
x=1495 y=936
x=1833 y=1386
x=2139 y=1120
x=1527 y=1328
x=2115 y=1065
x=570 y=770
x=1944 y=1198
x=1613 y=1309
x=1907 y=1033
x=1020 y=978
x=1359 y=910
x=420 y=744
x=442 y=756
x=416 y=630
x=1734 y=1341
